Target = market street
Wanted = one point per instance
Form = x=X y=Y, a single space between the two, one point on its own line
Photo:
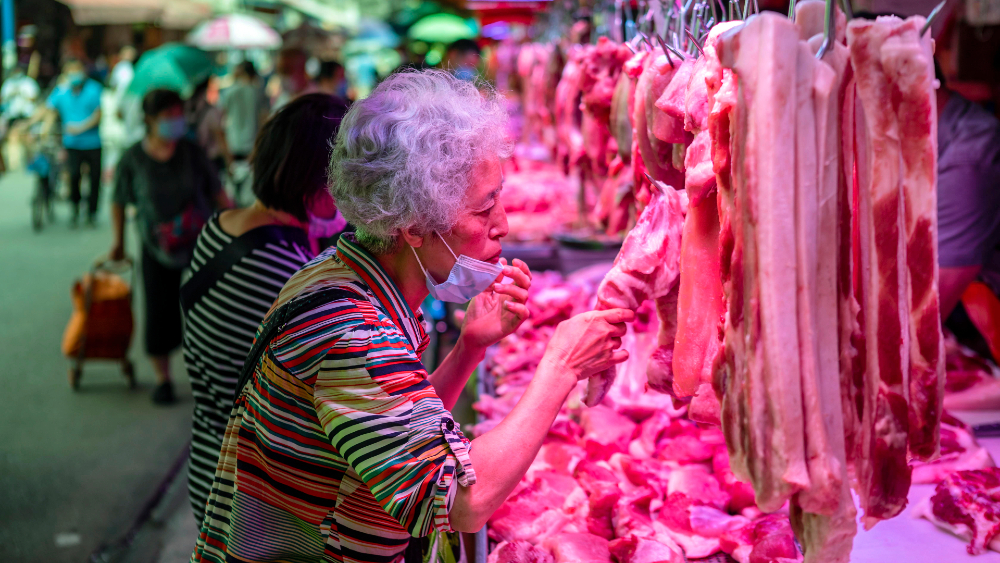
x=76 y=468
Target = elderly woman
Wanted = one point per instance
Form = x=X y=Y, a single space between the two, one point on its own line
x=341 y=446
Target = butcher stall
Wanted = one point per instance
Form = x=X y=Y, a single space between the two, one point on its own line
x=760 y=188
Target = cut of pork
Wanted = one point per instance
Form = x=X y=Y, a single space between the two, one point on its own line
x=700 y=304
x=773 y=441
x=894 y=184
x=647 y=267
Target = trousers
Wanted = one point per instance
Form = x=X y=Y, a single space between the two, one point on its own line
x=76 y=159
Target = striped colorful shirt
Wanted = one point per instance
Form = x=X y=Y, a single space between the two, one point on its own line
x=338 y=449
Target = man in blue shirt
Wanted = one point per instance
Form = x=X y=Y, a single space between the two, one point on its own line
x=77 y=102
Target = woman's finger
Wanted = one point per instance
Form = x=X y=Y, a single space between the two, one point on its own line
x=513 y=291
x=518 y=309
x=618 y=329
x=616 y=343
x=619 y=356
x=521 y=265
x=520 y=277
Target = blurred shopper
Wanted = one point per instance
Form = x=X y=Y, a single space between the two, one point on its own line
x=462 y=59
x=968 y=196
x=18 y=96
x=244 y=108
x=174 y=190
x=331 y=79
x=77 y=103
x=293 y=79
x=204 y=122
x=244 y=257
x=122 y=74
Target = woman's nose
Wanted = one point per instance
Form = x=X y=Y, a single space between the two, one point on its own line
x=500 y=228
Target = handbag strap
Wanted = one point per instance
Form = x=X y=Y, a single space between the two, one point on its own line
x=212 y=272
x=275 y=323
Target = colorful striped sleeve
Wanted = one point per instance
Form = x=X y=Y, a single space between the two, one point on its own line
x=373 y=400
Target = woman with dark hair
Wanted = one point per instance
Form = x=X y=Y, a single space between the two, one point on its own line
x=174 y=190
x=244 y=257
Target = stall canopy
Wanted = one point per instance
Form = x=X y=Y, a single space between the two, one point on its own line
x=105 y=12
x=442 y=28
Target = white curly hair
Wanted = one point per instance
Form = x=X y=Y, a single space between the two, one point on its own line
x=403 y=156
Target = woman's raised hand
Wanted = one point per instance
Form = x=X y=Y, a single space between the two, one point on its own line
x=498 y=311
x=588 y=343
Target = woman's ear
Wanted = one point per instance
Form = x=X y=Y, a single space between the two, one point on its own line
x=412 y=237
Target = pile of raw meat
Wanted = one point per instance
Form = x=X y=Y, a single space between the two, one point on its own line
x=631 y=479
x=539 y=200
x=785 y=250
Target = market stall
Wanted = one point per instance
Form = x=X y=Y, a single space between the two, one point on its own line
x=772 y=182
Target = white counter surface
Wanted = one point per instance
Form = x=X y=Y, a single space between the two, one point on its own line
x=906 y=539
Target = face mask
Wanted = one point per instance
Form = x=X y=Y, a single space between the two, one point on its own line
x=75 y=79
x=172 y=128
x=465 y=73
x=325 y=228
x=468 y=278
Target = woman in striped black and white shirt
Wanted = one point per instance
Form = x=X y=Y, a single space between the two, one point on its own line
x=242 y=259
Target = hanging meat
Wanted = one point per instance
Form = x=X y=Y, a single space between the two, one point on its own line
x=647 y=267
x=897 y=252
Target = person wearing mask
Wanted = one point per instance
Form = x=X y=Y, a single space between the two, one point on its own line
x=244 y=109
x=77 y=104
x=174 y=189
x=242 y=259
x=340 y=444
x=331 y=79
x=462 y=59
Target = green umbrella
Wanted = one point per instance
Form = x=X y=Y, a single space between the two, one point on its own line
x=442 y=28
x=172 y=66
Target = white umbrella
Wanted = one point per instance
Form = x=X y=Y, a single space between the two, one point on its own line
x=234 y=31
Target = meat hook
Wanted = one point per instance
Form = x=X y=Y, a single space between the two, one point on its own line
x=828 y=34
x=848 y=9
x=666 y=49
x=695 y=41
x=930 y=18
x=791 y=10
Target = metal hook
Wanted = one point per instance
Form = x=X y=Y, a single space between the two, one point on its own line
x=930 y=18
x=828 y=34
x=695 y=41
x=665 y=48
x=848 y=9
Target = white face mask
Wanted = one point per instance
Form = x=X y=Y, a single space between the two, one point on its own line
x=468 y=278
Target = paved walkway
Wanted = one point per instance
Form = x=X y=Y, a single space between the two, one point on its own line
x=76 y=468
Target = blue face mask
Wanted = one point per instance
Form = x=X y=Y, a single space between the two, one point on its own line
x=468 y=278
x=172 y=128
x=75 y=79
x=465 y=73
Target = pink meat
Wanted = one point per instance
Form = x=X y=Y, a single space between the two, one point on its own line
x=773 y=421
x=518 y=552
x=883 y=471
x=660 y=369
x=959 y=452
x=656 y=154
x=607 y=432
x=700 y=305
x=908 y=60
x=631 y=549
x=671 y=103
x=647 y=267
x=699 y=170
x=579 y=548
